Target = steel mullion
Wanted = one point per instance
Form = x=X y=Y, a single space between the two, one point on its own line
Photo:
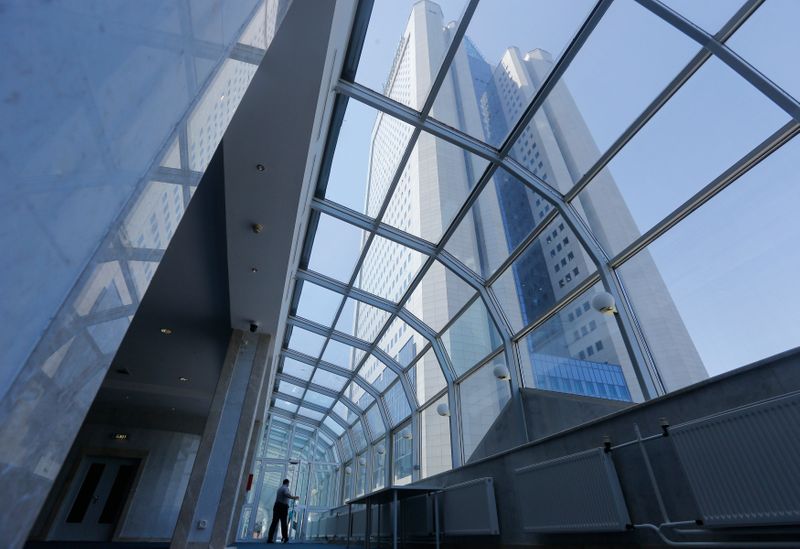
x=774 y=92
x=669 y=91
x=447 y=61
x=740 y=168
x=311 y=361
x=552 y=78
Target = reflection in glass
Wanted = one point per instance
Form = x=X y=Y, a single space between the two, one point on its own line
x=483 y=396
x=580 y=351
x=549 y=268
x=471 y=337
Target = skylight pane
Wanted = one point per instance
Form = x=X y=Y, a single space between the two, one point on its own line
x=471 y=337
x=368 y=153
x=361 y=320
x=427 y=198
x=397 y=404
x=317 y=398
x=328 y=379
x=297 y=369
x=432 y=305
x=339 y=354
x=426 y=377
x=628 y=59
x=306 y=342
x=376 y=373
x=290 y=389
x=682 y=151
x=401 y=342
x=389 y=61
x=309 y=413
x=375 y=422
x=285 y=405
x=549 y=268
x=388 y=269
x=344 y=413
x=359 y=437
x=498 y=65
x=318 y=304
x=358 y=396
x=333 y=425
x=506 y=212
x=336 y=248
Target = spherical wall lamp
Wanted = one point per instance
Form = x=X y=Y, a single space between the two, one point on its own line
x=443 y=409
x=501 y=372
x=605 y=303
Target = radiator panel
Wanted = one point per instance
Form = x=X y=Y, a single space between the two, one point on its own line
x=469 y=509
x=576 y=493
x=744 y=465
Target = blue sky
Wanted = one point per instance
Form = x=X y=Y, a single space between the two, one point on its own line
x=729 y=266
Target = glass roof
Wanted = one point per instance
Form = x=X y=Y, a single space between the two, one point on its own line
x=532 y=159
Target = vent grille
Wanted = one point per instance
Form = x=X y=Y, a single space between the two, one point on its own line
x=576 y=493
x=744 y=465
x=469 y=509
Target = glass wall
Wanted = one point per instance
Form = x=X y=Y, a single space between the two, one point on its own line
x=593 y=235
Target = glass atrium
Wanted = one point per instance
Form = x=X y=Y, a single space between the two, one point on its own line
x=483 y=199
x=465 y=273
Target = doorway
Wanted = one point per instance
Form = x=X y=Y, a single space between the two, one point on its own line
x=95 y=499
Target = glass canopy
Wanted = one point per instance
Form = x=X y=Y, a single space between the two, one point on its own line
x=572 y=197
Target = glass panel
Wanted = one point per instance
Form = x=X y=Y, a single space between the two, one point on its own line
x=359 y=438
x=435 y=183
x=365 y=321
x=306 y=342
x=345 y=413
x=471 y=337
x=278 y=440
x=769 y=40
x=426 y=377
x=375 y=421
x=499 y=54
x=368 y=153
x=483 y=396
x=505 y=213
x=347 y=489
x=290 y=389
x=309 y=413
x=211 y=116
x=327 y=379
x=336 y=248
x=285 y=405
x=626 y=62
x=347 y=449
x=358 y=396
x=152 y=222
x=549 y=268
x=388 y=269
x=301 y=442
x=333 y=425
x=318 y=304
x=709 y=14
x=376 y=373
x=339 y=354
x=297 y=369
x=397 y=404
x=439 y=296
x=403 y=455
x=580 y=351
x=711 y=294
x=379 y=465
x=318 y=399
x=272 y=478
x=323 y=486
x=435 y=440
x=401 y=342
x=361 y=476
x=398 y=70
x=683 y=152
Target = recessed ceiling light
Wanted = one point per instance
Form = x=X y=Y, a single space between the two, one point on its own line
x=183 y=378
x=166 y=331
x=123 y=371
x=253 y=269
x=260 y=167
x=221 y=97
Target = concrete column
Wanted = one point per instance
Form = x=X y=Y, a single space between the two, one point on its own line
x=208 y=509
